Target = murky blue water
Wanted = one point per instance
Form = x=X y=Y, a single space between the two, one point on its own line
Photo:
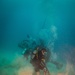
x=53 y=21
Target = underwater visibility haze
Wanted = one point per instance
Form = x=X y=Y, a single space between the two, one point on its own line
x=50 y=23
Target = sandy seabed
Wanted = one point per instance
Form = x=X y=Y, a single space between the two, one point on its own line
x=16 y=64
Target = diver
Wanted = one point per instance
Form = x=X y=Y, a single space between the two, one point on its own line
x=38 y=61
x=27 y=46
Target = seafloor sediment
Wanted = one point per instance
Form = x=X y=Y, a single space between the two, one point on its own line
x=12 y=63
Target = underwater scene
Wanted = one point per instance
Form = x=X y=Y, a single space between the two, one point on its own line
x=47 y=26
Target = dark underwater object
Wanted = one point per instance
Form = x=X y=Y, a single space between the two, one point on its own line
x=58 y=65
x=44 y=64
x=30 y=44
x=23 y=44
x=28 y=51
